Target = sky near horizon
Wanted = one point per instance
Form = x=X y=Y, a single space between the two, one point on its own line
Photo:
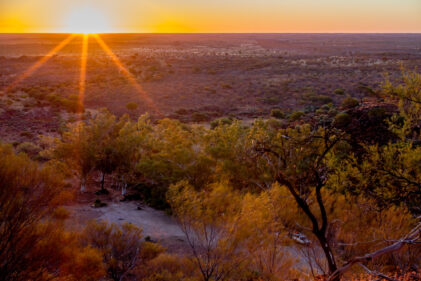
x=210 y=16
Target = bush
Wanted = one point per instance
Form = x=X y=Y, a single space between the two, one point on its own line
x=341 y=120
x=277 y=113
x=377 y=114
x=71 y=105
x=166 y=267
x=349 y=102
x=314 y=98
x=220 y=121
x=182 y=111
x=26 y=134
x=200 y=117
x=339 y=92
x=323 y=99
x=29 y=148
x=296 y=115
x=132 y=106
x=226 y=86
x=99 y=204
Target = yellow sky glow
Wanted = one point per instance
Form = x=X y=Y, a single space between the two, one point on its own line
x=101 y=16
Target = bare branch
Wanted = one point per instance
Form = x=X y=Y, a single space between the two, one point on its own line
x=377 y=274
x=410 y=238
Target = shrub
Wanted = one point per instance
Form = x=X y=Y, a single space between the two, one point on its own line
x=182 y=111
x=26 y=134
x=277 y=113
x=132 y=106
x=220 y=121
x=323 y=99
x=98 y=204
x=200 y=117
x=70 y=105
x=342 y=120
x=29 y=148
x=349 y=102
x=296 y=115
x=377 y=113
x=314 y=98
x=226 y=86
x=166 y=267
x=339 y=92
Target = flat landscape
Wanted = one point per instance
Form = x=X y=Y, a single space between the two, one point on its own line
x=214 y=157
x=194 y=77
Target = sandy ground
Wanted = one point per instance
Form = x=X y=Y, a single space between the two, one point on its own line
x=156 y=224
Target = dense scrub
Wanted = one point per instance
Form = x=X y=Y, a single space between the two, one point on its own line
x=244 y=195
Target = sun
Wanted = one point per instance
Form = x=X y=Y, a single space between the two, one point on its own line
x=86 y=20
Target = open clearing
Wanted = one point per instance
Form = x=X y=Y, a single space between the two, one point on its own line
x=156 y=224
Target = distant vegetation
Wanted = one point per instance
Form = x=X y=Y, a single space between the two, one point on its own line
x=247 y=197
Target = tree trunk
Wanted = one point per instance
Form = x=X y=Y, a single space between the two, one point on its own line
x=102 y=181
x=328 y=254
x=82 y=185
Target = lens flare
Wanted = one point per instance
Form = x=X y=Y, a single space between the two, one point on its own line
x=39 y=63
x=82 y=79
x=130 y=77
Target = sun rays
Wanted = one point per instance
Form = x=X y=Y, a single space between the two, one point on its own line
x=130 y=77
x=82 y=79
x=39 y=63
x=83 y=70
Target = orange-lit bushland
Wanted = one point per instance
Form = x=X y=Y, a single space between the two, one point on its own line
x=122 y=248
x=33 y=242
x=244 y=194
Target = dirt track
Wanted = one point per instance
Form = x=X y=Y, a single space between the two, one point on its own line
x=155 y=224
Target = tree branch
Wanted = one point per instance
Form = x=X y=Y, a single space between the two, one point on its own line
x=410 y=238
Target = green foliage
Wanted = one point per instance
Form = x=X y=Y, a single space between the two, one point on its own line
x=377 y=114
x=33 y=242
x=246 y=189
x=339 y=92
x=132 y=106
x=200 y=117
x=98 y=204
x=220 y=122
x=296 y=115
x=349 y=102
x=316 y=99
x=341 y=120
x=29 y=148
x=277 y=113
x=119 y=246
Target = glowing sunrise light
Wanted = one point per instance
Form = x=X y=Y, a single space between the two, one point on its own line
x=86 y=20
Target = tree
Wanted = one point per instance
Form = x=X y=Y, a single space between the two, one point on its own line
x=26 y=197
x=76 y=149
x=119 y=247
x=232 y=235
x=33 y=242
x=208 y=219
x=263 y=229
x=128 y=149
x=300 y=158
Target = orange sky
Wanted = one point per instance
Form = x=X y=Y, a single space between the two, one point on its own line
x=210 y=16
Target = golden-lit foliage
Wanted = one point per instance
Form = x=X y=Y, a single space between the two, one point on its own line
x=122 y=250
x=242 y=196
x=166 y=267
x=391 y=173
x=209 y=220
x=33 y=242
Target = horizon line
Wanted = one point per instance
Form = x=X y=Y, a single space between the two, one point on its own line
x=327 y=32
